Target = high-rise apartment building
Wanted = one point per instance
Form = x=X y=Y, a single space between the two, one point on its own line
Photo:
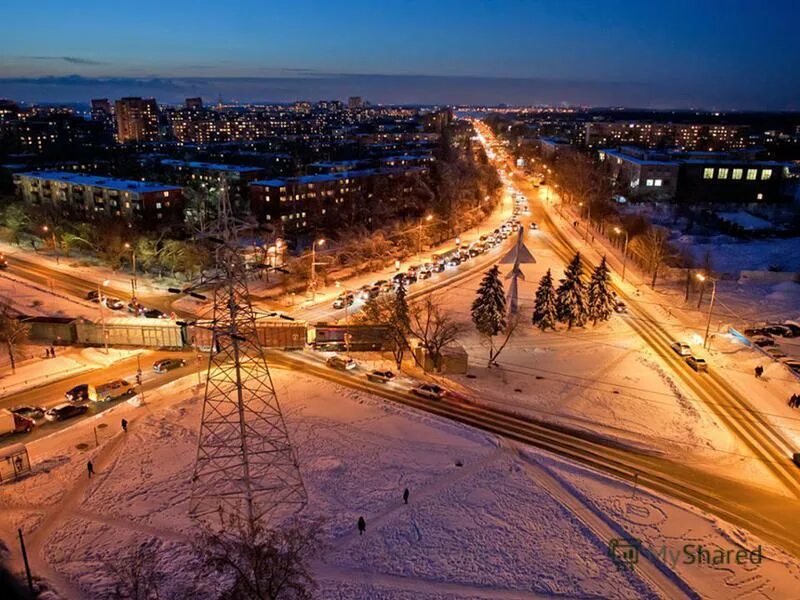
x=137 y=120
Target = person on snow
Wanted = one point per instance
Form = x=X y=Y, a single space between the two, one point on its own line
x=362 y=525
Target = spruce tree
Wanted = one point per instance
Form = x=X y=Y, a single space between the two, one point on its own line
x=544 y=309
x=489 y=308
x=600 y=297
x=571 y=295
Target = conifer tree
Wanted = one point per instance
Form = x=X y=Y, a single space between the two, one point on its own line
x=544 y=309
x=571 y=295
x=489 y=308
x=601 y=299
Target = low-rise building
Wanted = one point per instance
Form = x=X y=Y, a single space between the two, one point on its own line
x=90 y=197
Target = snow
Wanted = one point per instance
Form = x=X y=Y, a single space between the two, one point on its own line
x=492 y=528
x=745 y=220
x=730 y=255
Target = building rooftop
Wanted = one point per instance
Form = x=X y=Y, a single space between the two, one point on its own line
x=123 y=185
x=323 y=177
x=636 y=160
x=191 y=164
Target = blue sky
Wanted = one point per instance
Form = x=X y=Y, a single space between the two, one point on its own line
x=715 y=53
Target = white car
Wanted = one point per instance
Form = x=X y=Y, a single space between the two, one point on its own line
x=429 y=390
x=681 y=348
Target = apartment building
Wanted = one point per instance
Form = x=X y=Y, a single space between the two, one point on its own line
x=683 y=136
x=89 y=197
x=137 y=120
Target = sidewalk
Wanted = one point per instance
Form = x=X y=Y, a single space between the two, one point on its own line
x=68 y=362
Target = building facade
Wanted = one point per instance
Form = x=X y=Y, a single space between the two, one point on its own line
x=683 y=136
x=91 y=198
x=137 y=120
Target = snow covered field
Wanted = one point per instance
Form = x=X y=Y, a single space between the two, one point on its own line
x=505 y=524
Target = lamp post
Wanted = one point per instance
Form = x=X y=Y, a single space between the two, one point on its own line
x=619 y=231
x=419 y=245
x=133 y=270
x=703 y=278
x=45 y=229
x=320 y=242
x=102 y=314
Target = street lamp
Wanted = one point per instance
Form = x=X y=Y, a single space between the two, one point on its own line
x=45 y=229
x=703 y=278
x=133 y=270
x=104 y=283
x=619 y=231
x=320 y=242
x=419 y=246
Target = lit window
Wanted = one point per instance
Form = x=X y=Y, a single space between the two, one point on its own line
x=708 y=173
x=759 y=196
x=737 y=173
x=649 y=183
x=766 y=173
x=751 y=174
x=658 y=182
x=158 y=204
x=722 y=173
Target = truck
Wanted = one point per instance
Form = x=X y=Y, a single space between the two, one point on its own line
x=14 y=423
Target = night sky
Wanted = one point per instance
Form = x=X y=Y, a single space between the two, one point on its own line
x=731 y=54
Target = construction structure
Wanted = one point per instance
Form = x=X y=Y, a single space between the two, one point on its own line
x=246 y=468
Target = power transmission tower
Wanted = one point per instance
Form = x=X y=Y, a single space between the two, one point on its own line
x=246 y=467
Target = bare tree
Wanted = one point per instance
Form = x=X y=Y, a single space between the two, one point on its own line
x=654 y=249
x=12 y=331
x=434 y=327
x=390 y=311
x=251 y=562
x=136 y=575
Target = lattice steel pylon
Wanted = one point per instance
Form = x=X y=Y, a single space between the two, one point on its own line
x=246 y=467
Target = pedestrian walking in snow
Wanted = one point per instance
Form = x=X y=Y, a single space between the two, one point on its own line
x=125 y=425
x=47 y=352
x=52 y=351
x=90 y=468
x=362 y=525
x=759 y=371
x=405 y=496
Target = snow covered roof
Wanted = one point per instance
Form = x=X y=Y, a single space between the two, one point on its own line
x=123 y=185
x=191 y=164
x=323 y=177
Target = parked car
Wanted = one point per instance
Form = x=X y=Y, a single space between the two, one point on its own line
x=112 y=390
x=342 y=363
x=380 y=376
x=698 y=364
x=344 y=300
x=439 y=266
x=763 y=341
x=793 y=326
x=80 y=393
x=533 y=225
x=154 y=313
x=780 y=330
x=681 y=348
x=620 y=307
x=425 y=274
x=3 y=262
x=113 y=303
x=754 y=331
x=793 y=364
x=429 y=390
x=92 y=295
x=29 y=412
x=168 y=364
x=409 y=279
x=363 y=292
x=374 y=291
x=11 y=422
x=65 y=411
x=796 y=458
x=135 y=307
x=776 y=353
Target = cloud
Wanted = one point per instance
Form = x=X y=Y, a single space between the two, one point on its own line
x=73 y=60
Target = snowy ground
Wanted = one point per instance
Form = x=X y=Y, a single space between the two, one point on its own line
x=34 y=300
x=503 y=525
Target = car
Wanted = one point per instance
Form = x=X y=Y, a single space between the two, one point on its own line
x=168 y=364
x=620 y=307
x=343 y=300
x=763 y=341
x=681 y=348
x=342 y=363
x=363 y=292
x=380 y=376
x=34 y=413
x=533 y=226
x=61 y=412
x=439 y=266
x=82 y=392
x=3 y=262
x=135 y=307
x=374 y=291
x=154 y=313
x=92 y=295
x=412 y=270
x=380 y=283
x=118 y=388
x=409 y=279
x=796 y=458
x=698 y=364
x=794 y=327
x=387 y=287
x=754 y=331
x=424 y=274
x=113 y=303
x=475 y=250
x=429 y=390
x=780 y=330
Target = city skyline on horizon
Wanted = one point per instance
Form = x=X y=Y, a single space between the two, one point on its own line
x=714 y=56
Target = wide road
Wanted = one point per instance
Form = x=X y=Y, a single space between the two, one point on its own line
x=771 y=516
x=53 y=393
x=727 y=404
x=76 y=285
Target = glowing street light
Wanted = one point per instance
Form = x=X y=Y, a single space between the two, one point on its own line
x=702 y=278
x=133 y=270
x=419 y=245
x=319 y=242
x=619 y=231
